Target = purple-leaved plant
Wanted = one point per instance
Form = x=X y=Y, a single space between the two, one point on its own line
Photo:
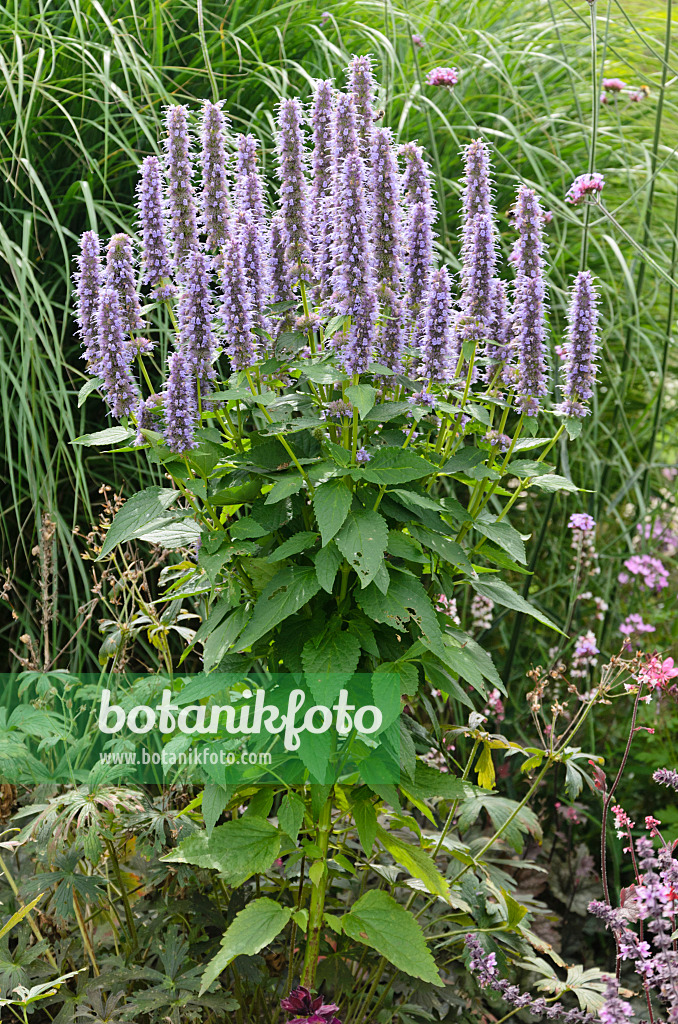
x=88 y=280
x=156 y=260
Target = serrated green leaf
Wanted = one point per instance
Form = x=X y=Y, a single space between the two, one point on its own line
x=331 y=503
x=362 y=541
x=293 y=546
x=252 y=929
x=143 y=511
x=327 y=562
x=287 y=592
x=291 y=814
x=362 y=396
x=501 y=593
x=397 y=466
x=112 y=435
x=334 y=653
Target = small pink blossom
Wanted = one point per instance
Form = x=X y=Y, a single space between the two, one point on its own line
x=583 y=186
x=657 y=674
x=447 y=78
x=613 y=84
x=622 y=822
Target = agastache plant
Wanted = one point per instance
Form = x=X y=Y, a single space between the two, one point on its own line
x=214 y=197
x=529 y=305
x=236 y=310
x=387 y=244
x=119 y=275
x=579 y=367
x=196 y=315
x=362 y=86
x=181 y=206
x=180 y=405
x=115 y=355
x=156 y=260
x=321 y=182
x=249 y=189
x=88 y=280
x=293 y=190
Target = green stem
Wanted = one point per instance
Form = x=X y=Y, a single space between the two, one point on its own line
x=129 y=918
x=317 y=904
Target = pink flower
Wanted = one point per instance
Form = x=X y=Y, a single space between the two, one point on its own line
x=418 y=42
x=657 y=674
x=622 y=822
x=581 y=521
x=652 y=572
x=447 y=78
x=652 y=824
x=584 y=185
x=613 y=84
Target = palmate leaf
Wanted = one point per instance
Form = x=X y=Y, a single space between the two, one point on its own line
x=500 y=809
x=287 y=592
x=378 y=921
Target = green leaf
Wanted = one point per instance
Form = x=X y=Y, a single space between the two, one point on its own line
x=238 y=849
x=378 y=921
x=86 y=390
x=500 y=810
x=406 y=672
x=331 y=502
x=293 y=546
x=413 y=500
x=287 y=592
x=485 y=768
x=362 y=396
x=221 y=639
x=291 y=815
x=112 y=435
x=284 y=487
x=445 y=547
x=252 y=929
x=554 y=482
x=501 y=593
x=365 y=818
x=397 y=466
x=137 y=514
x=415 y=860
x=20 y=915
x=214 y=800
x=327 y=562
x=362 y=541
x=333 y=652
x=503 y=534
x=236 y=495
x=406 y=598
x=401 y=545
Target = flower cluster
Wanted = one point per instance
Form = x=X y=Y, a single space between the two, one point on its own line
x=306 y=1009
x=446 y=78
x=583 y=186
x=584 y=656
x=651 y=573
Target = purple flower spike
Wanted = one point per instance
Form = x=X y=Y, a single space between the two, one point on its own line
x=215 y=206
x=180 y=406
x=115 y=356
x=293 y=190
x=362 y=86
x=236 y=310
x=88 y=281
x=180 y=194
x=256 y=268
x=529 y=323
x=579 y=368
x=120 y=276
x=345 y=132
x=420 y=253
x=196 y=315
x=157 y=267
x=277 y=275
x=477 y=194
x=388 y=247
x=498 y=347
x=322 y=180
x=435 y=348
x=477 y=278
x=417 y=176
x=249 y=190
x=355 y=286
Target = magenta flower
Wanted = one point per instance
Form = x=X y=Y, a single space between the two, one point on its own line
x=446 y=78
x=652 y=573
x=417 y=42
x=657 y=673
x=613 y=84
x=306 y=1009
x=583 y=186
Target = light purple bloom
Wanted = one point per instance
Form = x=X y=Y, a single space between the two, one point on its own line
x=583 y=186
x=614 y=1010
x=249 y=188
x=88 y=280
x=362 y=455
x=529 y=307
x=652 y=573
x=498 y=343
x=120 y=276
x=362 y=86
x=579 y=368
x=180 y=195
x=420 y=255
x=255 y=266
x=613 y=84
x=446 y=78
x=196 y=316
x=277 y=275
x=666 y=777
x=180 y=406
x=581 y=521
x=387 y=245
x=322 y=181
x=215 y=205
x=236 y=311
x=477 y=281
x=293 y=191
x=157 y=267
x=417 y=175
x=115 y=355
x=435 y=346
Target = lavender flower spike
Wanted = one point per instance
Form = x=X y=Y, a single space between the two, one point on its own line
x=215 y=206
x=87 y=280
x=388 y=247
x=322 y=178
x=115 y=356
x=180 y=406
x=362 y=86
x=478 y=265
x=196 y=314
x=180 y=194
x=120 y=276
x=420 y=251
x=157 y=268
x=293 y=191
x=417 y=176
x=529 y=322
x=498 y=347
x=236 y=310
x=279 y=284
x=249 y=191
x=435 y=347
x=579 y=368
x=356 y=292
x=256 y=268
x=477 y=195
